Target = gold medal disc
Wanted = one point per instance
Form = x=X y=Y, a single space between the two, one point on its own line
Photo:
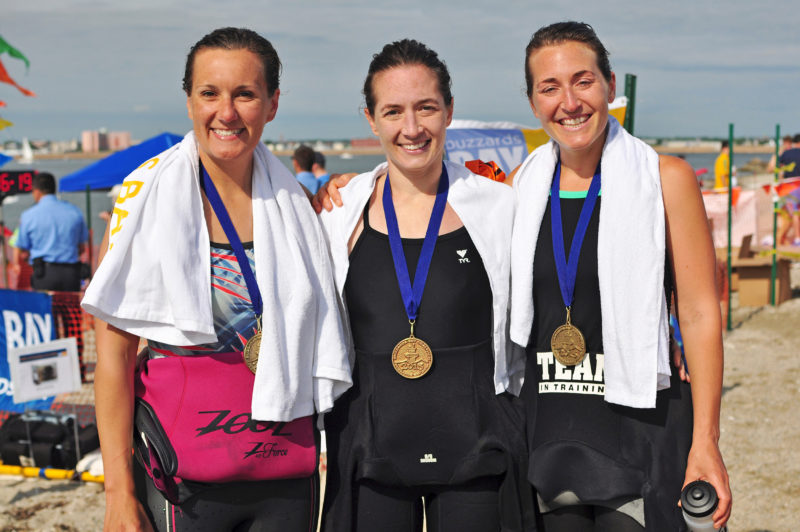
x=568 y=345
x=251 y=349
x=412 y=358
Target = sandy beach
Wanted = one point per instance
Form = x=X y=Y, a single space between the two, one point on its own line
x=759 y=423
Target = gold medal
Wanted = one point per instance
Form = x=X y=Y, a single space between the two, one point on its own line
x=567 y=343
x=411 y=357
x=252 y=347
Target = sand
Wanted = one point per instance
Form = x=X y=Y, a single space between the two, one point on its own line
x=759 y=423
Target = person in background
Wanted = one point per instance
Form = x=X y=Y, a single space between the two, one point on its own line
x=318 y=168
x=25 y=271
x=52 y=236
x=721 y=166
x=303 y=160
x=786 y=144
x=789 y=161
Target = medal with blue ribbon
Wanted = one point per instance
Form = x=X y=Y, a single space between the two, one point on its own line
x=567 y=342
x=253 y=345
x=412 y=358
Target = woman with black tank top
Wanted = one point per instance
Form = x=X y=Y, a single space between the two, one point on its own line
x=421 y=254
x=612 y=436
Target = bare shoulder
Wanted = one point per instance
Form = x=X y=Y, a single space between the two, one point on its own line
x=510 y=177
x=677 y=176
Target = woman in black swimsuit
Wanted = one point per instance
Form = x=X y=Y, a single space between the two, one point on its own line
x=420 y=250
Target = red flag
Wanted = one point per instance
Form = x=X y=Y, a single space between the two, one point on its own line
x=2 y=103
x=5 y=78
x=486 y=169
x=784 y=187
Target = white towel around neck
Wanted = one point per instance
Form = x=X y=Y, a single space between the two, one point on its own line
x=631 y=246
x=486 y=209
x=155 y=281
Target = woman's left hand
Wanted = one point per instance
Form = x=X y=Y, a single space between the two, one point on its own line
x=705 y=463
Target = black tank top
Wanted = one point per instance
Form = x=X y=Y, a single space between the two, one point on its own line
x=456 y=306
x=577 y=441
x=550 y=312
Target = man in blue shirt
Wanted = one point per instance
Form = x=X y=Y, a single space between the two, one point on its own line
x=52 y=235
x=318 y=168
x=303 y=160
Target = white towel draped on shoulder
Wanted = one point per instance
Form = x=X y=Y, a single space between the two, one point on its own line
x=486 y=208
x=155 y=282
x=630 y=263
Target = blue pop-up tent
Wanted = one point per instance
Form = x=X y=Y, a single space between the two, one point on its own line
x=110 y=171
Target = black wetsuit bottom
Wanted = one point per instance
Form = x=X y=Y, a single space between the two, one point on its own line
x=587 y=518
x=290 y=505
x=470 y=507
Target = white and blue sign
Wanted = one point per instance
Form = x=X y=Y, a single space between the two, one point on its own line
x=26 y=319
x=506 y=147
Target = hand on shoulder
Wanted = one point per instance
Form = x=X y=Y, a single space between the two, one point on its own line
x=328 y=195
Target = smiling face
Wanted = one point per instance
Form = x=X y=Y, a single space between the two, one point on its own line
x=229 y=104
x=570 y=96
x=410 y=118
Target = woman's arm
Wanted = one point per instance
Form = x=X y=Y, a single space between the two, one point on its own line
x=113 y=385
x=328 y=194
x=113 y=389
x=692 y=258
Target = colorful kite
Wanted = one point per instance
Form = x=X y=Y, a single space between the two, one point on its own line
x=5 y=123
x=4 y=77
x=13 y=52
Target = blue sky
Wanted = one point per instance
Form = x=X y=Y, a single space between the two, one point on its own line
x=700 y=64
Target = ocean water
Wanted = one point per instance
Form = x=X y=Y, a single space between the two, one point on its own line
x=99 y=201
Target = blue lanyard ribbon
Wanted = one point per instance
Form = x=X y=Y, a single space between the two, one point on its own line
x=233 y=239
x=412 y=296
x=567 y=270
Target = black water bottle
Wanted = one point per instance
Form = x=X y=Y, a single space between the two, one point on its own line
x=699 y=500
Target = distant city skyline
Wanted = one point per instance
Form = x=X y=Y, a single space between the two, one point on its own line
x=102 y=64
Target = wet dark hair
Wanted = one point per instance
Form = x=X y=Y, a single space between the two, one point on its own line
x=562 y=32
x=407 y=52
x=796 y=137
x=237 y=39
x=44 y=182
